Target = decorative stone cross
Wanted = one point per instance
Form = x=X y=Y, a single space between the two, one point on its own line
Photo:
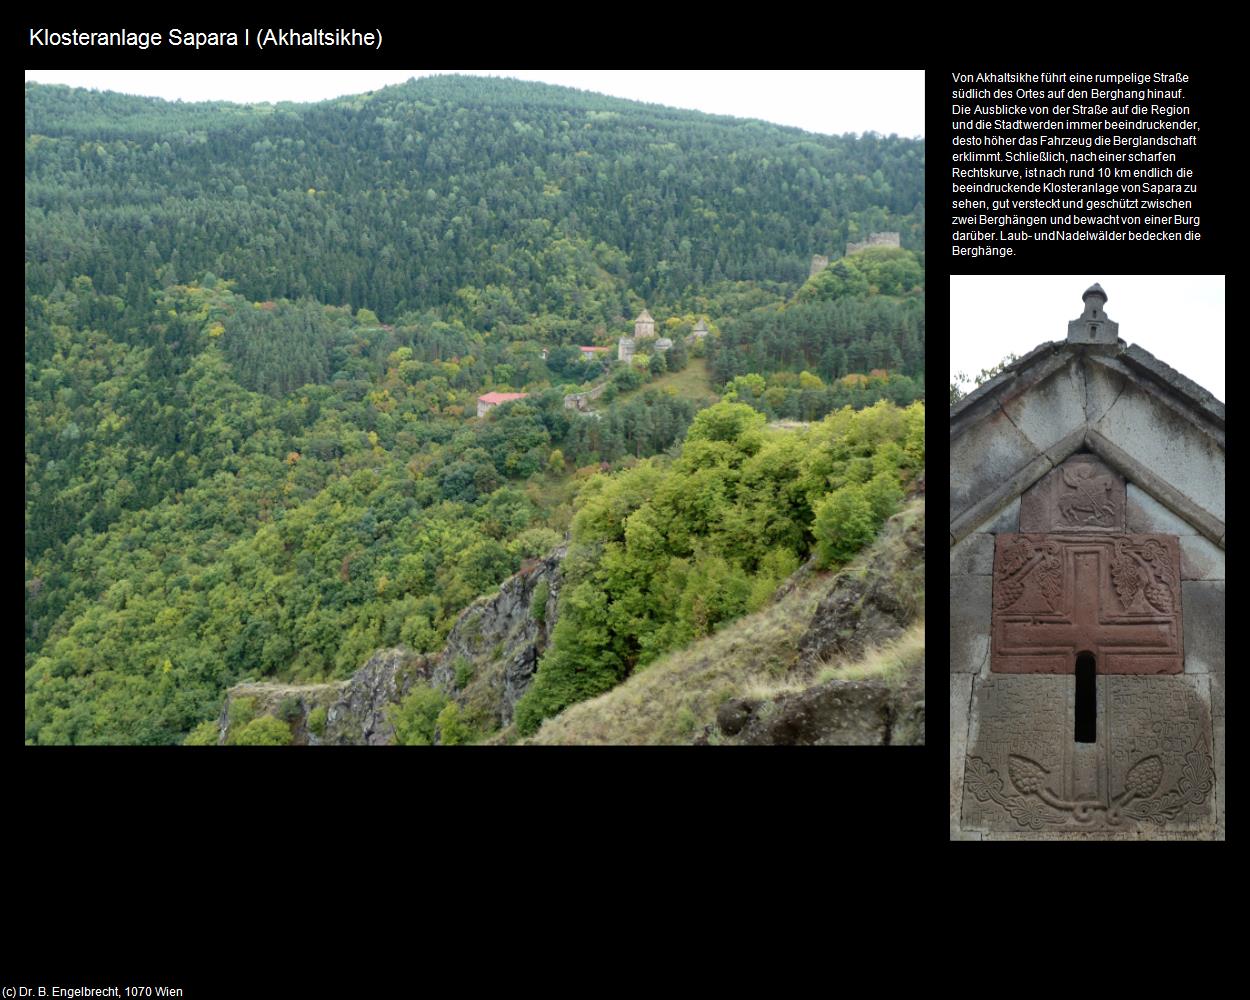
x=1072 y=582
x=1114 y=596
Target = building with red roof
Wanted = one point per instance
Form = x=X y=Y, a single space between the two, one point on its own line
x=492 y=399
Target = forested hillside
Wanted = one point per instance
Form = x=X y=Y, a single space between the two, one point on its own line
x=256 y=336
x=512 y=199
x=665 y=552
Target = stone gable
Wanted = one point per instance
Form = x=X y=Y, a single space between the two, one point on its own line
x=1087 y=519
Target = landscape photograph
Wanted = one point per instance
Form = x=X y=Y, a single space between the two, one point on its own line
x=473 y=410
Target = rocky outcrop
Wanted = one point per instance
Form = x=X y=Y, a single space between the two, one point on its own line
x=876 y=598
x=492 y=651
x=907 y=718
x=352 y=712
x=486 y=665
x=358 y=716
x=292 y=703
x=836 y=713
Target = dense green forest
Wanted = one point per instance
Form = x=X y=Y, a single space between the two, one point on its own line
x=255 y=337
x=514 y=200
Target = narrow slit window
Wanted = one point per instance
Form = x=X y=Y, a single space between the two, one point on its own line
x=1086 y=699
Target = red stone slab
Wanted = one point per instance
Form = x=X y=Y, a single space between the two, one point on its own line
x=1116 y=596
x=1083 y=494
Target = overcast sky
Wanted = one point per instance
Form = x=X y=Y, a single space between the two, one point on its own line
x=828 y=101
x=1177 y=318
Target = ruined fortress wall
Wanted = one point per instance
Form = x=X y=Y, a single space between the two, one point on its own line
x=875 y=240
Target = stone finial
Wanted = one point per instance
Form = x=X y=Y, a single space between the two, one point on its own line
x=1093 y=326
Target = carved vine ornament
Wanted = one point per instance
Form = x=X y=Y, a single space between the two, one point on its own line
x=1037 y=807
x=1145 y=568
x=1025 y=557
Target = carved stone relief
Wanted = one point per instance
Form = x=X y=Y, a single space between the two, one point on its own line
x=1116 y=596
x=1151 y=765
x=1080 y=495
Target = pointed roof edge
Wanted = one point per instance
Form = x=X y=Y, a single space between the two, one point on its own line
x=1045 y=358
x=1091 y=440
x=1141 y=359
x=1008 y=374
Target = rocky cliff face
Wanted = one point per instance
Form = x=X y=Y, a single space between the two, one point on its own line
x=493 y=649
x=297 y=701
x=358 y=715
x=487 y=663
x=874 y=601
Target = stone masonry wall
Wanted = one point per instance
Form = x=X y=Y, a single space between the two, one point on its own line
x=875 y=240
x=1202 y=586
x=1106 y=468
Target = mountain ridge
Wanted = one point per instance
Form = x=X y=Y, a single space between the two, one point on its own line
x=553 y=92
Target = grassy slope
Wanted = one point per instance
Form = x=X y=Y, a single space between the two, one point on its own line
x=690 y=383
x=673 y=699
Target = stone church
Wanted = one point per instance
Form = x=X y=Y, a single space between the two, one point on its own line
x=644 y=330
x=1087 y=597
